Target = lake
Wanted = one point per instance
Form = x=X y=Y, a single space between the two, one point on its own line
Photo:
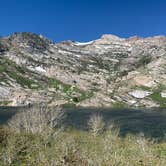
x=129 y=121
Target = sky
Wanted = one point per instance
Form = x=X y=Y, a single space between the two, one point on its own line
x=83 y=20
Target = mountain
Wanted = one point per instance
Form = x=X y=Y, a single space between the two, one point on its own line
x=108 y=72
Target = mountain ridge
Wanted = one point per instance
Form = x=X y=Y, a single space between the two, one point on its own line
x=109 y=71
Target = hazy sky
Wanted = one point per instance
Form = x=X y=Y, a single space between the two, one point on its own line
x=83 y=20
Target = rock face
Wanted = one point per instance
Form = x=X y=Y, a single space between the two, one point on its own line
x=110 y=71
x=143 y=80
x=4 y=93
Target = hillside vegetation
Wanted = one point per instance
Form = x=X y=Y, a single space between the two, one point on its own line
x=41 y=136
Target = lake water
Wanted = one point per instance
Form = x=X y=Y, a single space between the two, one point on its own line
x=150 y=123
x=7 y=112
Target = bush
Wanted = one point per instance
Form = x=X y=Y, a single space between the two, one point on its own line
x=81 y=148
x=36 y=119
x=96 y=124
x=4 y=134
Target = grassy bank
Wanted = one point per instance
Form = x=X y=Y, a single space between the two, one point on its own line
x=45 y=137
x=78 y=148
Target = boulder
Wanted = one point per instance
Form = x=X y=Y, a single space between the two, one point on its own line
x=143 y=80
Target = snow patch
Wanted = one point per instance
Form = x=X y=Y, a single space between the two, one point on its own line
x=64 y=52
x=78 y=56
x=163 y=94
x=40 y=69
x=83 y=43
x=139 y=94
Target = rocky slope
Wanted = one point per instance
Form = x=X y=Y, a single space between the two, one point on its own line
x=110 y=71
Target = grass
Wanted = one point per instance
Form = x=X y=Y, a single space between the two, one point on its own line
x=27 y=79
x=119 y=104
x=17 y=73
x=79 y=148
x=5 y=103
x=23 y=81
x=2 y=68
x=67 y=145
x=69 y=90
x=85 y=95
x=156 y=96
x=144 y=88
x=57 y=84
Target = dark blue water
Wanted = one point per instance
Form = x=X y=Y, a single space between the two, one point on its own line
x=6 y=113
x=151 y=123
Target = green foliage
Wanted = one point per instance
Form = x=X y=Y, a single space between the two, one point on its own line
x=17 y=73
x=57 y=84
x=2 y=68
x=161 y=150
x=119 y=104
x=160 y=88
x=63 y=146
x=156 y=96
x=79 y=148
x=4 y=134
x=23 y=77
x=69 y=90
x=85 y=95
x=23 y=81
x=5 y=103
x=143 y=88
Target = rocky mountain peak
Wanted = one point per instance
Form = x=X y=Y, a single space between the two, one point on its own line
x=107 y=39
x=31 y=40
x=110 y=37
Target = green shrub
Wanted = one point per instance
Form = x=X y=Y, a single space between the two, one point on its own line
x=2 y=68
x=156 y=96
x=75 y=147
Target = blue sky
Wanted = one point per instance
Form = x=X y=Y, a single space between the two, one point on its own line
x=83 y=20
